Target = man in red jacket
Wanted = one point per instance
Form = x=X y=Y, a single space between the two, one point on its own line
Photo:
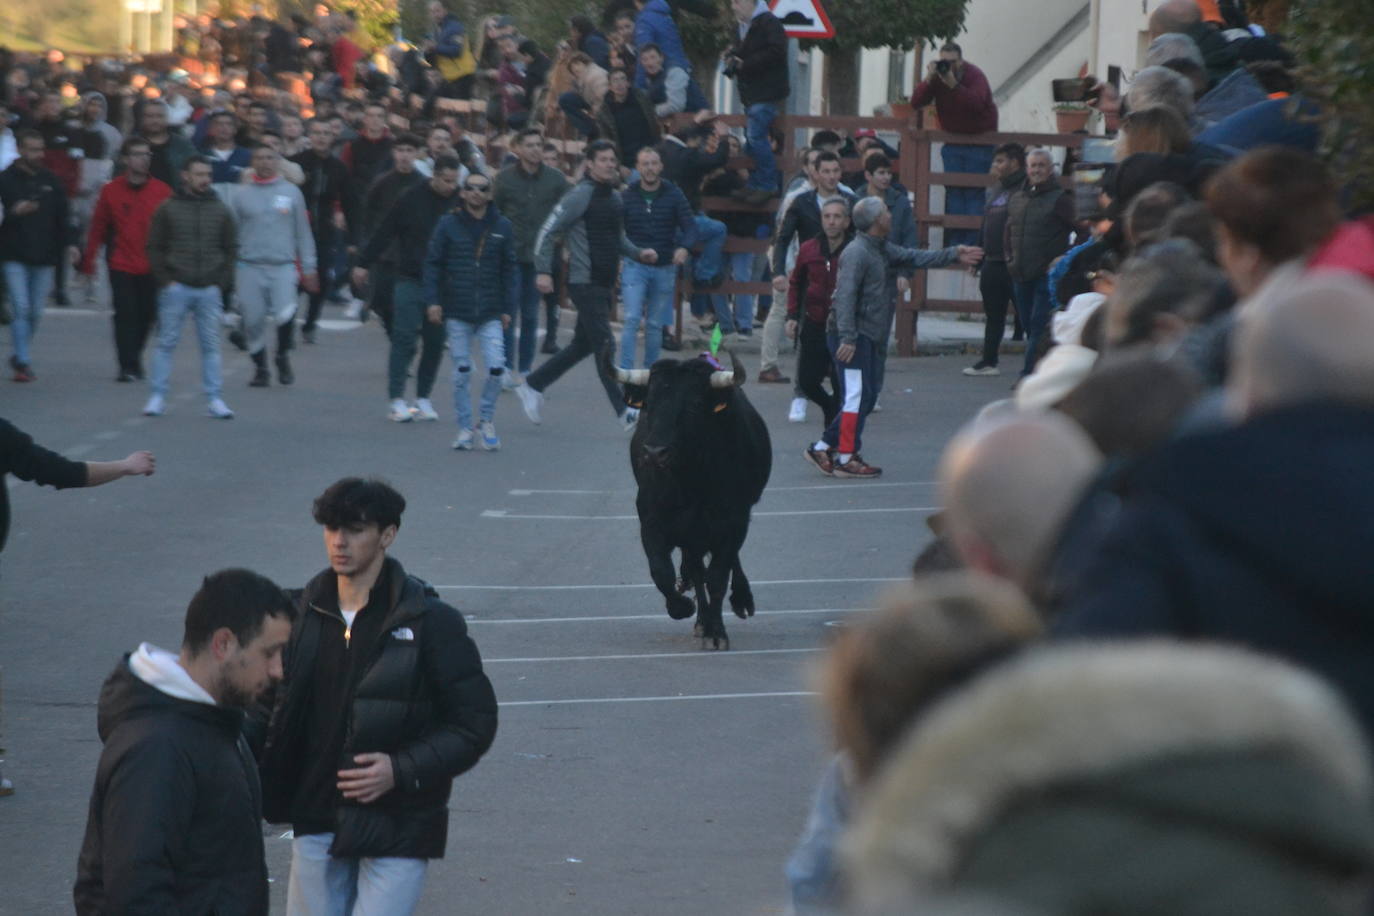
x=809 y=294
x=963 y=102
x=123 y=215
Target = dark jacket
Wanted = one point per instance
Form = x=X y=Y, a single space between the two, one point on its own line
x=995 y=203
x=384 y=192
x=228 y=171
x=595 y=46
x=637 y=103
x=1198 y=553
x=417 y=692
x=740 y=223
x=169 y=158
x=408 y=225
x=471 y=269
x=674 y=92
x=687 y=166
x=802 y=221
x=527 y=200
x=664 y=224
x=37 y=238
x=811 y=289
x=174 y=823
x=762 y=72
x=1039 y=223
x=22 y=457
x=193 y=240
x=366 y=158
x=327 y=188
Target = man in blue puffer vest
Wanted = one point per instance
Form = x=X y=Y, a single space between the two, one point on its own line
x=472 y=280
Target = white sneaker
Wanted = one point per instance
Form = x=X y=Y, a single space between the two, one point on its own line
x=400 y=411
x=424 y=410
x=797 y=414
x=155 y=407
x=982 y=368
x=219 y=410
x=487 y=431
x=877 y=408
x=354 y=310
x=629 y=419
x=464 y=441
x=509 y=381
x=532 y=401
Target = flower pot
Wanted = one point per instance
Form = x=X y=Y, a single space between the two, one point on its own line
x=902 y=110
x=1071 y=120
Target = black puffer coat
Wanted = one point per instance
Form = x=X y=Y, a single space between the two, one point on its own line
x=419 y=694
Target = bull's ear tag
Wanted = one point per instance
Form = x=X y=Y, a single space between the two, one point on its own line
x=719 y=407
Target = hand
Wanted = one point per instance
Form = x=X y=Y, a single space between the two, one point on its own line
x=790 y=329
x=680 y=256
x=505 y=322
x=435 y=314
x=701 y=117
x=139 y=464
x=360 y=276
x=903 y=284
x=844 y=353
x=970 y=255
x=780 y=283
x=339 y=220
x=648 y=256
x=931 y=72
x=311 y=283
x=544 y=283
x=370 y=782
x=24 y=207
x=950 y=78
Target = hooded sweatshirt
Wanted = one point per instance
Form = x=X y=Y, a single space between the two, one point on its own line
x=174 y=822
x=101 y=125
x=274 y=226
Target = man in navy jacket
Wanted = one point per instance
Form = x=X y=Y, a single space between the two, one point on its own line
x=657 y=218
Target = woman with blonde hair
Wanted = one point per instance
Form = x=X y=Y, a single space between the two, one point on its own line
x=1153 y=130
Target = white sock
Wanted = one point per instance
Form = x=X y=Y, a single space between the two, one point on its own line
x=844 y=457
x=820 y=446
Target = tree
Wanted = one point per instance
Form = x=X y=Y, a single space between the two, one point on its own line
x=898 y=24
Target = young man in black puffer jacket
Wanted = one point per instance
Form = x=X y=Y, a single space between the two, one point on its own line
x=383 y=703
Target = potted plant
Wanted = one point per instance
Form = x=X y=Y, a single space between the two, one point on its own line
x=1071 y=117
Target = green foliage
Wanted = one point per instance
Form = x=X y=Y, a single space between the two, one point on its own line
x=890 y=23
x=1334 y=44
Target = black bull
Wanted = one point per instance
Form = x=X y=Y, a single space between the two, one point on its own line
x=701 y=456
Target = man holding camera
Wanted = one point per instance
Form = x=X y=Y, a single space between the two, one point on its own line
x=963 y=102
x=758 y=63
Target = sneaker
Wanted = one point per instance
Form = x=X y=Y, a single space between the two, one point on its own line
x=464 y=441
x=629 y=419
x=354 y=310
x=550 y=345
x=670 y=343
x=857 y=468
x=155 y=406
x=400 y=412
x=774 y=376
x=532 y=401
x=284 y=373
x=24 y=374
x=797 y=413
x=424 y=410
x=237 y=339
x=487 y=430
x=308 y=335
x=824 y=461
x=509 y=381
x=260 y=378
x=982 y=368
x=877 y=407
x=219 y=410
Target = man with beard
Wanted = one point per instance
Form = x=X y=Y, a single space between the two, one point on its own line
x=174 y=823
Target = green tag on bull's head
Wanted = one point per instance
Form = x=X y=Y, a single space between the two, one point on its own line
x=716 y=337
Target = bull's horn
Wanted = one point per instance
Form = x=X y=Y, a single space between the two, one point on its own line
x=722 y=380
x=632 y=376
x=739 y=374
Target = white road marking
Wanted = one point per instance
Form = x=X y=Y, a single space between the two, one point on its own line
x=107 y=435
x=613 y=658
x=506 y=514
x=703 y=696
x=572 y=588
x=662 y=615
x=819 y=486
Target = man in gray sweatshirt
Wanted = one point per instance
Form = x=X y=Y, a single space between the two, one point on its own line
x=276 y=254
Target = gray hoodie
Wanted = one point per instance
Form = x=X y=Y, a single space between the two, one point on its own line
x=273 y=225
x=108 y=132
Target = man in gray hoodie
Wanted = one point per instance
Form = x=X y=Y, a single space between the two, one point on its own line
x=276 y=252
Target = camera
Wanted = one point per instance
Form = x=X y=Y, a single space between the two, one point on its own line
x=942 y=66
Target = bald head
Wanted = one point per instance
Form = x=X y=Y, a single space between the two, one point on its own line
x=1174 y=16
x=1007 y=486
x=1312 y=340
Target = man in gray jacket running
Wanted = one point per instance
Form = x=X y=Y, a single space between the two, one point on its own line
x=276 y=254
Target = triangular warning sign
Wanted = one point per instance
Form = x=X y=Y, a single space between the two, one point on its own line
x=803 y=18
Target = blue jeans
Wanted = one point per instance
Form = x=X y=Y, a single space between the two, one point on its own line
x=322 y=885
x=742 y=270
x=529 y=298
x=758 y=145
x=174 y=302
x=1032 y=299
x=647 y=292
x=958 y=157
x=29 y=286
x=710 y=236
x=493 y=343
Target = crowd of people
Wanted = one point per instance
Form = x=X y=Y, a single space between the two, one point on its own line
x=1129 y=672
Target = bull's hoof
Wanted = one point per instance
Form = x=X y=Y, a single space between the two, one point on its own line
x=699 y=630
x=742 y=605
x=715 y=643
x=680 y=608
x=683 y=586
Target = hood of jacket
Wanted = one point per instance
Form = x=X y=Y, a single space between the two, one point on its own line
x=149 y=681
x=1157 y=731
x=1310 y=462
x=104 y=111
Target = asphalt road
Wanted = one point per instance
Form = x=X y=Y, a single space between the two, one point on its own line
x=633 y=772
